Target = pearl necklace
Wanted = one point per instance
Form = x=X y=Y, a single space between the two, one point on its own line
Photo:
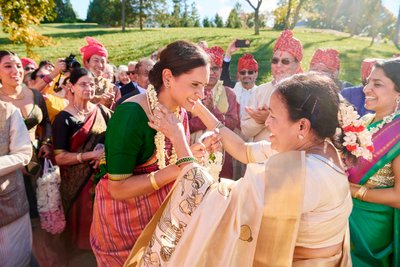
x=159 y=138
x=385 y=120
x=81 y=112
x=18 y=96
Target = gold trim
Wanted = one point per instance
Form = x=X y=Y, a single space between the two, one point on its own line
x=118 y=177
x=58 y=151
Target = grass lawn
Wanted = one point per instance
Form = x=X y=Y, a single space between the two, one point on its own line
x=135 y=44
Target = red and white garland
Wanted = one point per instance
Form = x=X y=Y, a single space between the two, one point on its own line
x=357 y=139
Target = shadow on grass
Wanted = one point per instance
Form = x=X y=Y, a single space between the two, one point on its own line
x=308 y=45
x=100 y=32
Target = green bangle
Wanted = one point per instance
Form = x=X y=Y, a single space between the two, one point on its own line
x=185 y=160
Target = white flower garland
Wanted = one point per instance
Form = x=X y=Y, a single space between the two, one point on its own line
x=216 y=92
x=357 y=139
x=385 y=120
x=159 y=138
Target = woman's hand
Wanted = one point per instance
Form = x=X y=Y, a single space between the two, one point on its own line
x=95 y=157
x=167 y=123
x=212 y=141
x=44 y=151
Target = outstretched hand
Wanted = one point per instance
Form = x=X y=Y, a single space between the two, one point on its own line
x=259 y=115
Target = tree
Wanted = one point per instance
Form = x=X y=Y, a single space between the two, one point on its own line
x=219 y=23
x=256 y=16
x=289 y=9
x=396 y=31
x=194 y=15
x=234 y=20
x=18 y=18
x=176 y=19
x=65 y=12
x=206 y=23
x=297 y=14
x=185 y=20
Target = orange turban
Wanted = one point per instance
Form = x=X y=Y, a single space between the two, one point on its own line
x=93 y=47
x=247 y=62
x=328 y=57
x=216 y=54
x=286 y=42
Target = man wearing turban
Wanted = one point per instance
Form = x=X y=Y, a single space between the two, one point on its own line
x=326 y=61
x=286 y=59
x=221 y=101
x=355 y=95
x=95 y=56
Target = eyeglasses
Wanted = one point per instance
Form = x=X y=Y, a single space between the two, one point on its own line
x=244 y=72
x=215 y=69
x=83 y=84
x=41 y=76
x=130 y=72
x=284 y=61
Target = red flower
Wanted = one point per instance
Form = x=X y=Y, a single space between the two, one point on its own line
x=359 y=129
x=370 y=148
x=351 y=147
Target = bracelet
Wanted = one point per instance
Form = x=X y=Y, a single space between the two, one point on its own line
x=79 y=157
x=219 y=125
x=153 y=181
x=185 y=160
x=360 y=194
x=47 y=79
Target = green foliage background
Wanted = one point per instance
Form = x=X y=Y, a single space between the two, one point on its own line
x=135 y=44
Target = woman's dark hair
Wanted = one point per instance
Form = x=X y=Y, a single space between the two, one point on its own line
x=179 y=57
x=391 y=68
x=77 y=73
x=4 y=53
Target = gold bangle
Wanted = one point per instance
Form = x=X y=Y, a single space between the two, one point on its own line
x=79 y=157
x=364 y=194
x=361 y=193
x=153 y=181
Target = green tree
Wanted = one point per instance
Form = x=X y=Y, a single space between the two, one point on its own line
x=206 y=23
x=176 y=18
x=186 y=20
x=396 y=31
x=64 y=11
x=234 y=20
x=194 y=15
x=18 y=17
x=219 y=23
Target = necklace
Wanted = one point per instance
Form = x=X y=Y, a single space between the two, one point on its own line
x=385 y=120
x=81 y=112
x=17 y=96
x=159 y=138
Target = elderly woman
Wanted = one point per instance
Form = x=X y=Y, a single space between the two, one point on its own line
x=15 y=152
x=375 y=184
x=122 y=76
x=277 y=216
x=78 y=137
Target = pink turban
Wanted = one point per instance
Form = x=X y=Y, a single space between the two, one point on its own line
x=28 y=61
x=327 y=57
x=286 y=42
x=247 y=62
x=366 y=67
x=216 y=54
x=94 y=47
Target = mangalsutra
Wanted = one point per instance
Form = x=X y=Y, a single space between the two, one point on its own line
x=18 y=96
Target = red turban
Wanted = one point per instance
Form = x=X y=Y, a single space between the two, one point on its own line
x=328 y=57
x=366 y=67
x=216 y=54
x=247 y=62
x=286 y=42
x=28 y=61
x=94 y=47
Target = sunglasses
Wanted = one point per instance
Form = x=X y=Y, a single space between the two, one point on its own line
x=284 y=61
x=249 y=72
x=130 y=72
x=29 y=68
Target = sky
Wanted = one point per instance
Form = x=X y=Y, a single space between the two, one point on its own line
x=222 y=7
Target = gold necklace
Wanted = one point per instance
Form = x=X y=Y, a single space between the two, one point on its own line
x=18 y=96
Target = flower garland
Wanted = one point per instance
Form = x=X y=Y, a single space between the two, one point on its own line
x=385 y=120
x=159 y=138
x=216 y=92
x=357 y=139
